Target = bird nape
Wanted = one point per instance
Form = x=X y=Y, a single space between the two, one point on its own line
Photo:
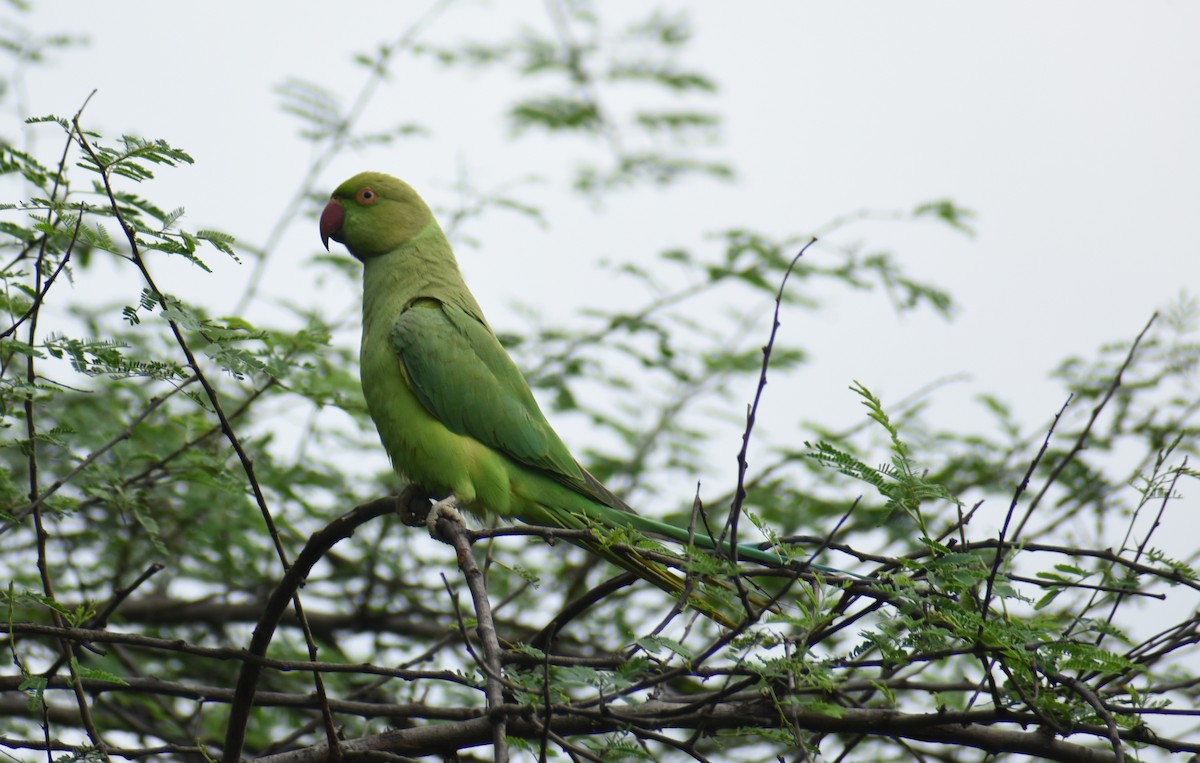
x=455 y=414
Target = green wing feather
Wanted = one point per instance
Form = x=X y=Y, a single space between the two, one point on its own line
x=462 y=375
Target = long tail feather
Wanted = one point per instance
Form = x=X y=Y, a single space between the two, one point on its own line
x=650 y=526
x=701 y=596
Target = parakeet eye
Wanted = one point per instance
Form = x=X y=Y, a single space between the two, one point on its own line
x=367 y=196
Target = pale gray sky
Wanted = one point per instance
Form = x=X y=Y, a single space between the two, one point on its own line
x=1069 y=127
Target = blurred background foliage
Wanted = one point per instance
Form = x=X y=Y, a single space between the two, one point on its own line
x=146 y=440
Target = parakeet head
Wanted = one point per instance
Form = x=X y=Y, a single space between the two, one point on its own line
x=372 y=214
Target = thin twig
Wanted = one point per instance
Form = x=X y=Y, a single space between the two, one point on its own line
x=453 y=530
x=1141 y=549
x=1081 y=441
x=40 y=296
x=578 y=606
x=739 y=496
x=220 y=654
x=336 y=143
x=121 y=436
x=1082 y=689
x=43 y=562
x=572 y=60
x=100 y=619
x=985 y=605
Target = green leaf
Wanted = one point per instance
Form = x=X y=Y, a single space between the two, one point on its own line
x=94 y=674
x=655 y=645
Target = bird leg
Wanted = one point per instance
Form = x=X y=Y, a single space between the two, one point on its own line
x=448 y=508
x=412 y=504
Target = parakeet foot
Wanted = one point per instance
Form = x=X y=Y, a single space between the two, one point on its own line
x=447 y=507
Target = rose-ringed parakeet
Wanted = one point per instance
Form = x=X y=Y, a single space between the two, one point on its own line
x=455 y=415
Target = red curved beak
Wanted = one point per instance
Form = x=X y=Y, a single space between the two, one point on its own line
x=332 y=218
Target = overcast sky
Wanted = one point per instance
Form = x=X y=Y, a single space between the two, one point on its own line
x=1070 y=128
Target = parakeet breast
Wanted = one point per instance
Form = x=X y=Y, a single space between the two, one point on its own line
x=422 y=449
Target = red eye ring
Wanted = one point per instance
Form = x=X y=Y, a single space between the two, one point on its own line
x=367 y=196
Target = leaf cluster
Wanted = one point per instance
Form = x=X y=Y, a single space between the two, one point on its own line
x=178 y=487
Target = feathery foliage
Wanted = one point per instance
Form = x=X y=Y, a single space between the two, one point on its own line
x=177 y=486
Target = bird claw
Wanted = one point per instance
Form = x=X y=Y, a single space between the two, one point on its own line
x=448 y=508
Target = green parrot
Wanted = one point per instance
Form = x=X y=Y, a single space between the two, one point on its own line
x=453 y=411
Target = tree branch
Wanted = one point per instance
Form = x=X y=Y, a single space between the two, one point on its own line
x=977 y=729
x=318 y=544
